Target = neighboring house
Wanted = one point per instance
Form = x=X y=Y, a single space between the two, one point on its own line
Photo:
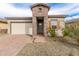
x=37 y=24
x=3 y=26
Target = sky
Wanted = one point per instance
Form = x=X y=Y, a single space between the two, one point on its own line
x=23 y=10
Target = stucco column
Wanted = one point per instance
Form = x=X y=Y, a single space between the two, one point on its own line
x=34 y=26
x=8 y=26
x=45 y=25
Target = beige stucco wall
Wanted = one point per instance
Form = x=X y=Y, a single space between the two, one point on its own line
x=3 y=25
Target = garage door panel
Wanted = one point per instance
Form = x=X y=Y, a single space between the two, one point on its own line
x=28 y=26
x=18 y=28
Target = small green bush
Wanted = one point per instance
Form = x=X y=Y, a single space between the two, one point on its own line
x=52 y=32
x=66 y=32
x=76 y=32
x=71 y=34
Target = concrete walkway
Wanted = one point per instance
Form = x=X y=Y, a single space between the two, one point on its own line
x=10 y=45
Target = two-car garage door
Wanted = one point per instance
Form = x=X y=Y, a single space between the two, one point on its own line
x=20 y=28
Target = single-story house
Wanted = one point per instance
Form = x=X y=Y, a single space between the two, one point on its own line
x=38 y=24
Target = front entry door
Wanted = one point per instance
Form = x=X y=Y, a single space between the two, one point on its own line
x=40 y=27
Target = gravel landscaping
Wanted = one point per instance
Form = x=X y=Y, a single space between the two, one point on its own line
x=50 y=48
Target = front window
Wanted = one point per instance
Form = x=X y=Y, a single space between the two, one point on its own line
x=54 y=23
x=53 y=26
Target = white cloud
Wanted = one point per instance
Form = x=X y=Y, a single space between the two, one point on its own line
x=64 y=10
x=70 y=18
x=10 y=10
x=69 y=9
x=73 y=12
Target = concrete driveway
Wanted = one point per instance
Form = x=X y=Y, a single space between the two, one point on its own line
x=10 y=45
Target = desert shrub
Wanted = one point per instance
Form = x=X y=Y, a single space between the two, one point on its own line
x=71 y=34
x=52 y=32
x=66 y=32
x=76 y=31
